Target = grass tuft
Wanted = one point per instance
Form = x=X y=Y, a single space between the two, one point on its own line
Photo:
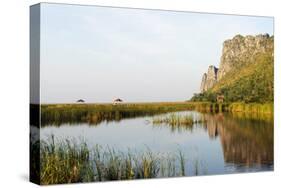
x=69 y=162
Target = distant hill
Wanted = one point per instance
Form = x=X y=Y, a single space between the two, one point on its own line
x=245 y=73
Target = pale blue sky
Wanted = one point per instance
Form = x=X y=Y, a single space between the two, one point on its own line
x=101 y=53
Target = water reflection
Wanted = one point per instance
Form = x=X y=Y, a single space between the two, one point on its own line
x=223 y=143
x=244 y=141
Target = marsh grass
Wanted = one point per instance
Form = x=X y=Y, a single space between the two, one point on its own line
x=93 y=114
x=63 y=162
x=57 y=114
x=250 y=108
x=69 y=162
x=177 y=120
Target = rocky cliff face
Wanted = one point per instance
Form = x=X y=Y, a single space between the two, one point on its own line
x=209 y=78
x=241 y=49
x=235 y=52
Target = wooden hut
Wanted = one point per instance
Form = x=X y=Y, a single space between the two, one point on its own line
x=220 y=98
x=117 y=101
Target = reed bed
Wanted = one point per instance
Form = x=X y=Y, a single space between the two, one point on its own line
x=57 y=114
x=177 y=119
x=93 y=114
x=257 y=108
x=69 y=162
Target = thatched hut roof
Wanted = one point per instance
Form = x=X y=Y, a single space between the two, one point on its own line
x=118 y=100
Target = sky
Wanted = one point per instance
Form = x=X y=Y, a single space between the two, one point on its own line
x=102 y=53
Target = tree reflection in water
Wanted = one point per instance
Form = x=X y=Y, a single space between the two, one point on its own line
x=245 y=140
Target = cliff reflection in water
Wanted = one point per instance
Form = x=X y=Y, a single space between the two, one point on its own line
x=244 y=140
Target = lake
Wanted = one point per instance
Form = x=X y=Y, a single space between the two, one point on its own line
x=223 y=143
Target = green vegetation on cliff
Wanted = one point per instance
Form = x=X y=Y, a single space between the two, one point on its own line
x=250 y=83
x=250 y=78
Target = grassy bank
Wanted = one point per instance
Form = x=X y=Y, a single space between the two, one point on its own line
x=93 y=114
x=57 y=114
x=256 y=108
x=236 y=107
x=69 y=162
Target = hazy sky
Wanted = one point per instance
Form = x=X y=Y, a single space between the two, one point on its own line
x=98 y=54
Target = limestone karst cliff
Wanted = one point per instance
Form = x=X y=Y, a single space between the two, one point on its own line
x=236 y=52
x=242 y=50
x=209 y=78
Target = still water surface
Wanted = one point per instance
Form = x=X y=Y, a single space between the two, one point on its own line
x=223 y=144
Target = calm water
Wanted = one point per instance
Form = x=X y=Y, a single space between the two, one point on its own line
x=224 y=144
